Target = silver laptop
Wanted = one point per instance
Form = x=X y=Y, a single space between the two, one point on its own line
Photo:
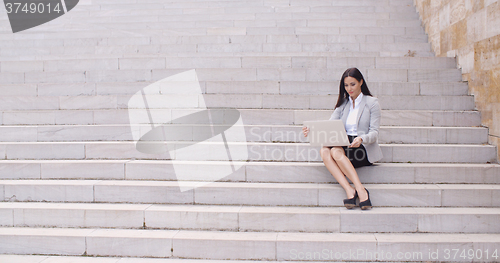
x=327 y=133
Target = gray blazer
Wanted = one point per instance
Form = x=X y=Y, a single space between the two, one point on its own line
x=368 y=121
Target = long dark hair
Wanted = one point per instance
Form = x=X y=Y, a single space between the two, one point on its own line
x=355 y=73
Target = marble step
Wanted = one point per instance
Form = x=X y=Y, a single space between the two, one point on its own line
x=55 y=31
x=240 y=101
x=136 y=22
x=242 y=9
x=268 y=7
x=227 y=245
x=253 y=133
x=214 y=39
x=101 y=259
x=249 y=116
x=79 y=52
x=372 y=5
x=227 y=74
x=236 y=87
x=233 y=3
x=207 y=21
x=213 y=150
x=460 y=103
x=250 y=218
x=256 y=172
x=247 y=26
x=197 y=14
x=412 y=64
x=254 y=13
x=255 y=4
x=153 y=51
x=237 y=193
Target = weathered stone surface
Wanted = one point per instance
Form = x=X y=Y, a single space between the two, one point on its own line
x=470 y=30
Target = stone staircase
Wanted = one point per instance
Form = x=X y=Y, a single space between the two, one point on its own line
x=76 y=188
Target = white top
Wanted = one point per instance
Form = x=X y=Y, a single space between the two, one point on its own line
x=350 y=125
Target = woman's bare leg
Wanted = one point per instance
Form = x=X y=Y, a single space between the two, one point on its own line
x=336 y=172
x=346 y=167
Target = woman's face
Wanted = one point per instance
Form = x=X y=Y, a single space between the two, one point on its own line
x=352 y=87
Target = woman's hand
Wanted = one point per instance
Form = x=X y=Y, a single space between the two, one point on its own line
x=356 y=142
x=305 y=130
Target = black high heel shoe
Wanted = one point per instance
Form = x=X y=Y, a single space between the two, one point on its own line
x=350 y=203
x=365 y=204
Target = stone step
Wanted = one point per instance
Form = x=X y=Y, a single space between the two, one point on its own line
x=226 y=245
x=229 y=7
x=214 y=150
x=264 y=101
x=208 y=21
x=233 y=3
x=247 y=27
x=283 y=13
x=113 y=14
x=408 y=9
x=330 y=87
x=254 y=13
x=187 y=15
x=268 y=21
x=412 y=64
x=204 y=8
x=254 y=133
x=280 y=74
x=236 y=193
x=236 y=87
x=253 y=172
x=225 y=24
x=209 y=5
x=228 y=74
x=382 y=49
x=240 y=101
x=149 y=51
x=181 y=27
x=275 y=3
x=57 y=31
x=102 y=259
x=242 y=13
x=250 y=218
x=158 y=41
x=250 y=117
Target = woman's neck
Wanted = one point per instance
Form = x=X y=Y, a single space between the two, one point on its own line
x=354 y=100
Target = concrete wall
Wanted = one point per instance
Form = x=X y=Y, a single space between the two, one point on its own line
x=470 y=30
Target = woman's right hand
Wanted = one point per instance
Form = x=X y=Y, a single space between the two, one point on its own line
x=305 y=130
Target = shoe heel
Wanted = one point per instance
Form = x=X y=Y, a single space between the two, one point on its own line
x=366 y=204
x=350 y=203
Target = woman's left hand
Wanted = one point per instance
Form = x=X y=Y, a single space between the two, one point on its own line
x=356 y=142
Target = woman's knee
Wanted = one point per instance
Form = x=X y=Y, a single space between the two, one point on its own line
x=337 y=152
x=325 y=152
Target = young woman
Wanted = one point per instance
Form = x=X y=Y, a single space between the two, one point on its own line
x=360 y=112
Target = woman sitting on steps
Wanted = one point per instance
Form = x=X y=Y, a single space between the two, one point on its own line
x=360 y=112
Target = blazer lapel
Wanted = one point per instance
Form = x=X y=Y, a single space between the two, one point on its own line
x=361 y=107
x=345 y=112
